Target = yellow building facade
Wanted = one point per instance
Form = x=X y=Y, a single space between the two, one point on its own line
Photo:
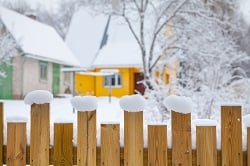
x=128 y=82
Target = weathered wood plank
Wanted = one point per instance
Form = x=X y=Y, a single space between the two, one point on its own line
x=231 y=136
x=63 y=145
x=181 y=139
x=110 y=144
x=1 y=133
x=86 y=138
x=133 y=138
x=98 y=156
x=206 y=145
x=157 y=145
x=248 y=146
x=40 y=135
x=16 y=144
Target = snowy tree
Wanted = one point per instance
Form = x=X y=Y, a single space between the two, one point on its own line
x=7 y=47
x=58 y=17
x=148 y=22
x=209 y=53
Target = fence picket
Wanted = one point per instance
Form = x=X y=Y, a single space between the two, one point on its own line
x=110 y=144
x=110 y=153
x=133 y=138
x=157 y=145
x=231 y=136
x=1 y=133
x=86 y=138
x=39 y=137
x=206 y=145
x=16 y=144
x=63 y=145
x=181 y=139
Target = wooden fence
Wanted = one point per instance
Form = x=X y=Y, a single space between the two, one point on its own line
x=40 y=153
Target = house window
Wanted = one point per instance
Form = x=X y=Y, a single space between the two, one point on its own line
x=67 y=77
x=113 y=80
x=43 y=71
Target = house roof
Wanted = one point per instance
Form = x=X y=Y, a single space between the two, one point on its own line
x=86 y=35
x=121 y=49
x=37 y=40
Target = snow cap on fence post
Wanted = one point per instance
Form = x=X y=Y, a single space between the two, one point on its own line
x=132 y=103
x=38 y=97
x=179 y=104
x=84 y=103
x=16 y=119
x=204 y=122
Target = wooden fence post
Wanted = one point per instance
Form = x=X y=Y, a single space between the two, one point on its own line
x=86 y=138
x=63 y=145
x=206 y=145
x=110 y=144
x=1 y=132
x=16 y=143
x=181 y=139
x=248 y=146
x=133 y=138
x=157 y=145
x=231 y=136
x=39 y=137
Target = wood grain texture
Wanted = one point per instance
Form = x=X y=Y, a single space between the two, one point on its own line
x=16 y=144
x=63 y=145
x=181 y=139
x=1 y=133
x=133 y=138
x=86 y=138
x=110 y=144
x=248 y=146
x=157 y=145
x=231 y=136
x=39 y=135
x=206 y=145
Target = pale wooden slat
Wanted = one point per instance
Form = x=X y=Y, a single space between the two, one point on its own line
x=181 y=139
x=86 y=138
x=248 y=146
x=231 y=136
x=16 y=144
x=1 y=132
x=206 y=145
x=39 y=137
x=157 y=145
x=63 y=145
x=133 y=138
x=110 y=144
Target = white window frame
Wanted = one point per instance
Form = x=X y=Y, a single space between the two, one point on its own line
x=43 y=71
x=115 y=83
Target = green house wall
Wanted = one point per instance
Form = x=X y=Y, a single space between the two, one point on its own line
x=56 y=78
x=6 y=82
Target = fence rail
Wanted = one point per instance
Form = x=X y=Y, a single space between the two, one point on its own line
x=39 y=153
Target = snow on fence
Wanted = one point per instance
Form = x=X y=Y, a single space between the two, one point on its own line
x=16 y=152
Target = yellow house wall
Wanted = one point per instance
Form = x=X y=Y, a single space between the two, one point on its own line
x=84 y=85
x=124 y=89
x=91 y=85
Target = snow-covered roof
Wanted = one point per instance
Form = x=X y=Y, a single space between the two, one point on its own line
x=37 y=40
x=85 y=35
x=121 y=49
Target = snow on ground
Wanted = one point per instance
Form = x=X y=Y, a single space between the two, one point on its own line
x=62 y=111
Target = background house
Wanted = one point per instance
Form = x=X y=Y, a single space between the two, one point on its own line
x=41 y=55
x=104 y=43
